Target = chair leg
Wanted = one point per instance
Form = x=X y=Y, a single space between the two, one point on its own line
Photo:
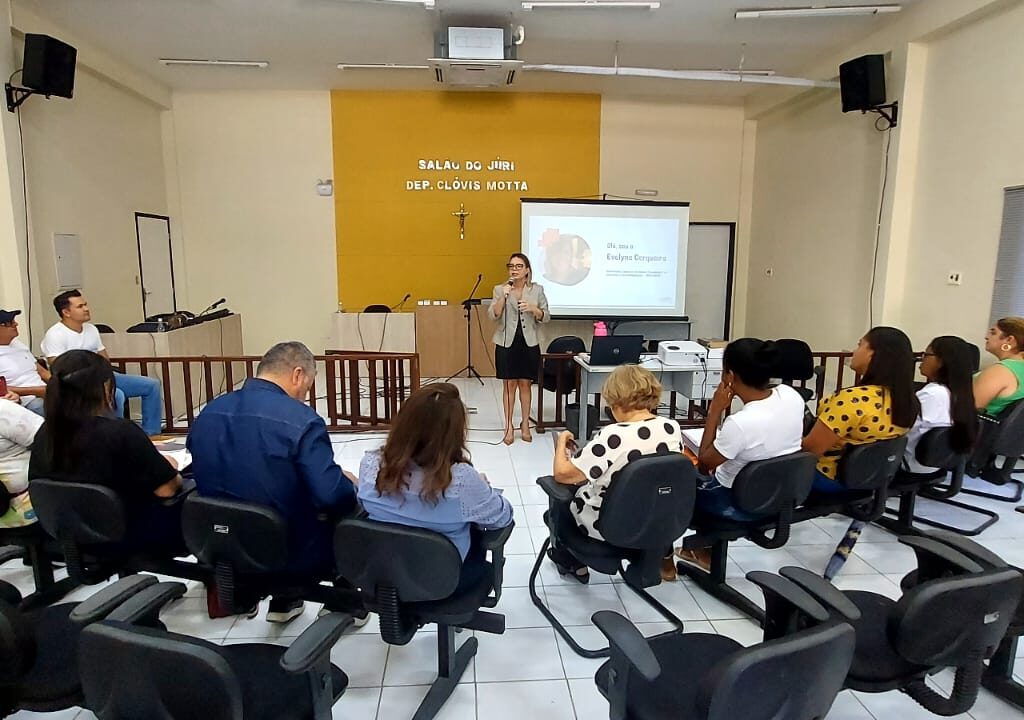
x=322 y=689
x=910 y=513
x=998 y=676
x=559 y=628
x=714 y=584
x=652 y=601
x=449 y=671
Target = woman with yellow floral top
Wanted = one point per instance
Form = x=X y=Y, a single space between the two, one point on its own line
x=882 y=406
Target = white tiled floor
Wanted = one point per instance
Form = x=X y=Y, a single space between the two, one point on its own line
x=529 y=671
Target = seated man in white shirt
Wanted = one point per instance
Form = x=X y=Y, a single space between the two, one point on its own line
x=23 y=373
x=75 y=332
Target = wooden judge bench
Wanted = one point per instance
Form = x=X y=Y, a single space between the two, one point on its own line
x=436 y=332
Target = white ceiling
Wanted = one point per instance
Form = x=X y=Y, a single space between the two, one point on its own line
x=305 y=39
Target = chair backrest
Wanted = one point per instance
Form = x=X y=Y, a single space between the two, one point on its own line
x=420 y=565
x=768 y=487
x=947 y=622
x=252 y=539
x=871 y=466
x=934 y=449
x=100 y=327
x=130 y=671
x=557 y=370
x=567 y=344
x=78 y=513
x=797 y=676
x=649 y=502
x=1009 y=437
x=377 y=309
x=795 y=361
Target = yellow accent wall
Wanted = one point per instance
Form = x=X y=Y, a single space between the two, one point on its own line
x=393 y=240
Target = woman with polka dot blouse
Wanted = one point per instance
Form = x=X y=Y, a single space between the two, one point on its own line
x=633 y=394
x=883 y=406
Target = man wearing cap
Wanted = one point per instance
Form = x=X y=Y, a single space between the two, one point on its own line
x=75 y=332
x=18 y=367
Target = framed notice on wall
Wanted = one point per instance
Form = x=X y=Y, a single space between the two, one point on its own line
x=67 y=251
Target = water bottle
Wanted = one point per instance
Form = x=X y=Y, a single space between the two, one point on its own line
x=600 y=329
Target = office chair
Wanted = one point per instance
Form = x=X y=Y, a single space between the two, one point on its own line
x=39 y=648
x=409 y=577
x=794 y=674
x=377 y=309
x=955 y=616
x=646 y=507
x=133 y=671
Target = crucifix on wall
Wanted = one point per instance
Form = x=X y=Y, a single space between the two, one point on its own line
x=461 y=214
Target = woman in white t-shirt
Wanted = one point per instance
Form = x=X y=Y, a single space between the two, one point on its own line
x=769 y=424
x=633 y=394
x=947 y=400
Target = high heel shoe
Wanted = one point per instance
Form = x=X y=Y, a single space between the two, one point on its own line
x=525 y=428
x=510 y=436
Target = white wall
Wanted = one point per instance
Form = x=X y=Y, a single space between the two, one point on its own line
x=971 y=147
x=816 y=191
x=253 y=228
x=92 y=163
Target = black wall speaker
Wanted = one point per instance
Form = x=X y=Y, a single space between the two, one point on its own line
x=49 y=66
x=862 y=83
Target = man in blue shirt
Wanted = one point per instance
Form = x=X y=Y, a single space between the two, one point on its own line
x=263 y=445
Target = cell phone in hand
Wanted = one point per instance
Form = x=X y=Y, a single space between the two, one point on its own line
x=3 y=386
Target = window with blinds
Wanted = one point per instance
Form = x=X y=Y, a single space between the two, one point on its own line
x=1008 y=292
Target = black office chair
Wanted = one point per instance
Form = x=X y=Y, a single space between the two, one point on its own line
x=377 y=309
x=90 y=523
x=933 y=450
x=954 y=617
x=105 y=329
x=795 y=674
x=766 y=494
x=408 y=576
x=132 y=671
x=998 y=436
x=999 y=673
x=865 y=472
x=38 y=648
x=646 y=507
x=246 y=547
x=796 y=364
x=560 y=376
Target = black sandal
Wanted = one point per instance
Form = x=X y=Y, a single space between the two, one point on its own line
x=567 y=565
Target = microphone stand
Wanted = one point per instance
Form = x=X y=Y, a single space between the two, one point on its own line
x=467 y=305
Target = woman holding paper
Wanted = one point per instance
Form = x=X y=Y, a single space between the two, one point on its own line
x=519 y=306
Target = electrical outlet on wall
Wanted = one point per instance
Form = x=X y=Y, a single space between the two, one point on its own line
x=955 y=277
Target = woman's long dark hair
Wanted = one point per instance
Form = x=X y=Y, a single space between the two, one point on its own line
x=892 y=367
x=754 y=361
x=429 y=431
x=957 y=373
x=81 y=386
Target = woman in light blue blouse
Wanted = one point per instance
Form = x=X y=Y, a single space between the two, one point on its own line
x=423 y=477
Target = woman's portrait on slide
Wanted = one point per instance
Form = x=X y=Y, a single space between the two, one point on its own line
x=567 y=257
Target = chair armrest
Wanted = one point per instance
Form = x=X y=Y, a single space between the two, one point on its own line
x=976 y=552
x=102 y=603
x=625 y=640
x=144 y=608
x=936 y=559
x=787 y=608
x=823 y=591
x=494 y=540
x=315 y=643
x=555 y=490
x=12 y=552
x=179 y=497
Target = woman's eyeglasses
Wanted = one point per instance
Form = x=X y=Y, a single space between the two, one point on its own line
x=516 y=266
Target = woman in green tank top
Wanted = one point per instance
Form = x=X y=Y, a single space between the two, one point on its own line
x=1000 y=385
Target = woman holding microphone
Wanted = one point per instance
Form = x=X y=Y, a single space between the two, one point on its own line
x=518 y=305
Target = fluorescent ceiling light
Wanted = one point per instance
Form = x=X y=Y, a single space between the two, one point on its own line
x=592 y=4
x=428 y=4
x=380 y=66
x=704 y=75
x=217 y=63
x=820 y=11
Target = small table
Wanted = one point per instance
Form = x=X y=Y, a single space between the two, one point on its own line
x=672 y=377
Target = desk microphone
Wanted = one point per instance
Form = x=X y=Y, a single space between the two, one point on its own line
x=216 y=304
x=402 y=302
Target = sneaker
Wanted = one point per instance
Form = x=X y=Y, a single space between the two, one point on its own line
x=282 y=611
x=699 y=557
x=668 y=569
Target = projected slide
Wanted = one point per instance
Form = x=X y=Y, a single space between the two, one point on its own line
x=608 y=259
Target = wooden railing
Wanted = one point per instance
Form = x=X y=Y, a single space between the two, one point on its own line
x=355 y=391
x=831 y=373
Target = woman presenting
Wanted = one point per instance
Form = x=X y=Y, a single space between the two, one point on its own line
x=518 y=305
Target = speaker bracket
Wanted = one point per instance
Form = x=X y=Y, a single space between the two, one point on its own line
x=17 y=95
x=889 y=111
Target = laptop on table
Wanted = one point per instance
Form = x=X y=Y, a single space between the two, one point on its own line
x=616 y=350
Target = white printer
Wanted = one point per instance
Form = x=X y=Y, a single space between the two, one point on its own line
x=682 y=354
